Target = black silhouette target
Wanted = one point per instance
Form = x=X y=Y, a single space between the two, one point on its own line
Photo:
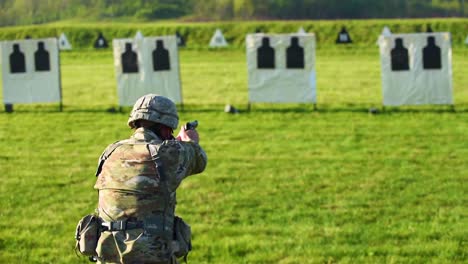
x=343 y=37
x=265 y=55
x=129 y=60
x=429 y=29
x=17 y=60
x=399 y=55
x=431 y=55
x=100 y=42
x=295 y=55
x=161 y=61
x=180 y=40
x=41 y=58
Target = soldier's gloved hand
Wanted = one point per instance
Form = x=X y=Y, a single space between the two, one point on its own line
x=188 y=135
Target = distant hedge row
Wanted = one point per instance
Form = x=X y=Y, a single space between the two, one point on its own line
x=197 y=35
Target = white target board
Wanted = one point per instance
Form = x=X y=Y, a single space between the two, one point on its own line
x=218 y=40
x=301 y=31
x=31 y=71
x=64 y=44
x=416 y=69
x=281 y=68
x=385 y=33
x=148 y=65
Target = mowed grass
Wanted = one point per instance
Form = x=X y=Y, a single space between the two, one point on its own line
x=284 y=184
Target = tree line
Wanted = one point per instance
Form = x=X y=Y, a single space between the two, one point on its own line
x=23 y=12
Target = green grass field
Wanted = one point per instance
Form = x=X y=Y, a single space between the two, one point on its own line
x=284 y=183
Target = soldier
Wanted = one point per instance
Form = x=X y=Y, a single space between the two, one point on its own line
x=137 y=182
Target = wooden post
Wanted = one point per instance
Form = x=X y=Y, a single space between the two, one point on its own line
x=9 y=108
x=60 y=78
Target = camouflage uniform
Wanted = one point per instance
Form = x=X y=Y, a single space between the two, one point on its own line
x=137 y=182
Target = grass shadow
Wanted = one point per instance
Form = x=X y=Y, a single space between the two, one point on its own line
x=436 y=109
x=354 y=108
x=250 y=109
x=42 y=108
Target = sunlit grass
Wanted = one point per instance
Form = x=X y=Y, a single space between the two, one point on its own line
x=284 y=184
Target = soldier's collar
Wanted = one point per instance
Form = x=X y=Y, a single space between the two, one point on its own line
x=144 y=134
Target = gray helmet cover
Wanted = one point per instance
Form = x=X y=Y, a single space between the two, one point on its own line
x=154 y=108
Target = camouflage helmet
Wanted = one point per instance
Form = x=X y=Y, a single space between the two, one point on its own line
x=154 y=108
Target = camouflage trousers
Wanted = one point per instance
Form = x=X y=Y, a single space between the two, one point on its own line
x=131 y=246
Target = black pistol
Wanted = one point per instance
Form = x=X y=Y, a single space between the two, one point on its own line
x=191 y=125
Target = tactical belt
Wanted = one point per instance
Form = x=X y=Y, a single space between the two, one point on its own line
x=121 y=225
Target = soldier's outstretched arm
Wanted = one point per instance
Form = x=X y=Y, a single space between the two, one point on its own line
x=194 y=153
x=196 y=158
